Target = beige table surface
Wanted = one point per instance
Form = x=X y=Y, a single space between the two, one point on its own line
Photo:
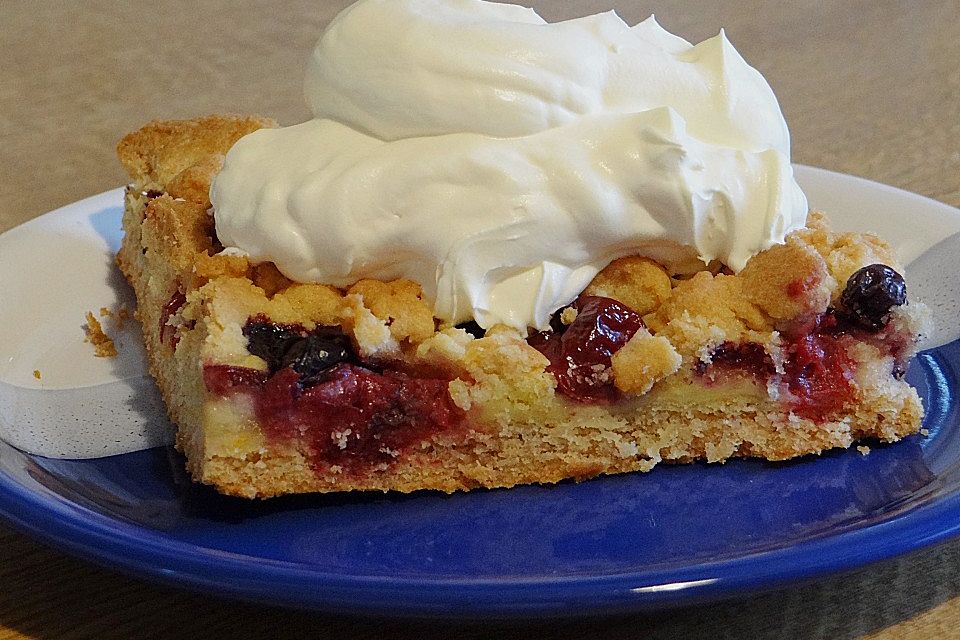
x=868 y=88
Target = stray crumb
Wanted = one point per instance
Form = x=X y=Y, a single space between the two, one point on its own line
x=36 y=374
x=924 y=431
x=123 y=314
x=863 y=450
x=105 y=312
x=101 y=341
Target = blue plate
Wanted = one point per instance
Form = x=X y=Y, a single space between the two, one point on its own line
x=677 y=535
x=681 y=534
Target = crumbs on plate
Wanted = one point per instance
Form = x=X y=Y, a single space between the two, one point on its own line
x=97 y=337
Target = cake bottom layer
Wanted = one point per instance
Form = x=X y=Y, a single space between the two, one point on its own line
x=238 y=459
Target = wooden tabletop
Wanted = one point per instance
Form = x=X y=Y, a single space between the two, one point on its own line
x=868 y=87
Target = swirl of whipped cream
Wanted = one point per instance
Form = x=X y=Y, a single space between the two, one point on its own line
x=502 y=162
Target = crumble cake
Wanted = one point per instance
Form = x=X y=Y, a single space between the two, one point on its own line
x=282 y=387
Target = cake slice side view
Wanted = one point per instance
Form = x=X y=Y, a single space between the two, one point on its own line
x=283 y=387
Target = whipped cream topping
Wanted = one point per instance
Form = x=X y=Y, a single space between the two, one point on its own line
x=502 y=162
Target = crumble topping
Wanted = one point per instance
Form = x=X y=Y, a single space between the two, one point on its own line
x=639 y=283
x=643 y=361
x=400 y=305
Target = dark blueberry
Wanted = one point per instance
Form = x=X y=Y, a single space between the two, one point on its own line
x=472 y=328
x=556 y=323
x=324 y=348
x=870 y=294
x=271 y=341
x=556 y=326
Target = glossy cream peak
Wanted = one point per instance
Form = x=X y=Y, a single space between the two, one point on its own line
x=501 y=161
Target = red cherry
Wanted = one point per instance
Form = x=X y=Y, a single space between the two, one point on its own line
x=819 y=375
x=580 y=355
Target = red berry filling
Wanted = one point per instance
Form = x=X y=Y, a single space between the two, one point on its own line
x=355 y=418
x=168 y=333
x=747 y=358
x=817 y=374
x=343 y=414
x=580 y=354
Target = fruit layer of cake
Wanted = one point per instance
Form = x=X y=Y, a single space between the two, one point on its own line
x=281 y=387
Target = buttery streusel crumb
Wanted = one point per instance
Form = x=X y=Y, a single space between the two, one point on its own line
x=400 y=305
x=101 y=342
x=639 y=283
x=643 y=361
